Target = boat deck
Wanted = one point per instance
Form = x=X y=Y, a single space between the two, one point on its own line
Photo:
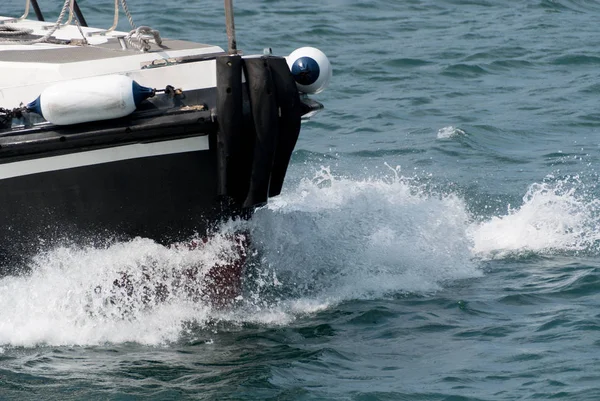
x=25 y=69
x=62 y=54
x=67 y=33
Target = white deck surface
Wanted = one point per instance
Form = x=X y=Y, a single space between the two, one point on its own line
x=25 y=70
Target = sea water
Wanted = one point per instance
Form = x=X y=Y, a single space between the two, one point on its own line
x=437 y=237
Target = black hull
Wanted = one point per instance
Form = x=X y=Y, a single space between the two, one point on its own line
x=173 y=169
x=168 y=198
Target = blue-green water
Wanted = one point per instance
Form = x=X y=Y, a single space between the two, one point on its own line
x=437 y=238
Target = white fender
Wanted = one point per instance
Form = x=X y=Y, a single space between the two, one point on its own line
x=90 y=99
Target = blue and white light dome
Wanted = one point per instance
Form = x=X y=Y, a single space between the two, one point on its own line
x=311 y=69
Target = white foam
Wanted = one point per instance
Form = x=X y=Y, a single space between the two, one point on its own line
x=69 y=297
x=357 y=239
x=328 y=240
x=449 y=132
x=554 y=217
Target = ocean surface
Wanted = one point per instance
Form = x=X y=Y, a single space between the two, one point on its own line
x=438 y=236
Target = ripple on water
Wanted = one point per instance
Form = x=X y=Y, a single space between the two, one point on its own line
x=464 y=71
x=576 y=59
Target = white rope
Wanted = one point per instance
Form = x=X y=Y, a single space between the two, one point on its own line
x=26 y=13
x=114 y=25
x=22 y=17
x=12 y=31
x=85 y=41
x=67 y=5
x=127 y=13
x=50 y=32
x=70 y=19
x=137 y=38
x=140 y=38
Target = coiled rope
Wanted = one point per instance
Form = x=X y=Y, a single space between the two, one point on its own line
x=7 y=31
x=140 y=38
x=7 y=34
x=137 y=38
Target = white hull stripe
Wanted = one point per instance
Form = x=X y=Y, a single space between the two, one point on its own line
x=101 y=156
